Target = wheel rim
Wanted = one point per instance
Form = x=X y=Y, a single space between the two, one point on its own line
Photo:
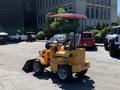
x=62 y=74
x=37 y=67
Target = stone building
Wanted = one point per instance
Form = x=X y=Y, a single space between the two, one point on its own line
x=97 y=11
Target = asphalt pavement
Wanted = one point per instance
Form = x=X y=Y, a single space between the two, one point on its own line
x=104 y=73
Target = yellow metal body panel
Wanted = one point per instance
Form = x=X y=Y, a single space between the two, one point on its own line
x=45 y=57
x=56 y=56
x=75 y=58
x=80 y=67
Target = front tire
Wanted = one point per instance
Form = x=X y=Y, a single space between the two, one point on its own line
x=64 y=73
x=112 y=50
x=38 y=68
x=106 y=45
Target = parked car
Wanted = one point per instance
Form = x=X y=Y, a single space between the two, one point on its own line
x=87 y=40
x=3 y=38
x=112 y=41
x=18 y=37
x=31 y=36
x=60 y=38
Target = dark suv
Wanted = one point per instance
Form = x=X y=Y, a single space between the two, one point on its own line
x=60 y=38
x=112 y=41
x=3 y=38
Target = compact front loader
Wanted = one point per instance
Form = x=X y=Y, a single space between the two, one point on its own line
x=63 y=59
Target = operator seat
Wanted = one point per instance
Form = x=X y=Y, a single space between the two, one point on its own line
x=74 y=42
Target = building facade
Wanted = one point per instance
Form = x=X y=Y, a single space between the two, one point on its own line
x=11 y=15
x=101 y=11
x=97 y=11
x=45 y=6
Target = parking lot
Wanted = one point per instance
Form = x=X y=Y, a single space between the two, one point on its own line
x=104 y=73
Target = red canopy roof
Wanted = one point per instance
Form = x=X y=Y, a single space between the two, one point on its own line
x=68 y=16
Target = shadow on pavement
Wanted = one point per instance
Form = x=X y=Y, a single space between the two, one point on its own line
x=83 y=83
x=117 y=57
x=93 y=49
x=8 y=43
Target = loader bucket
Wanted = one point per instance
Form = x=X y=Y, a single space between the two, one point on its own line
x=28 y=66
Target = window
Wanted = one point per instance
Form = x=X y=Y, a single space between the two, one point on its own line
x=109 y=2
x=105 y=14
x=92 y=13
x=40 y=19
x=101 y=15
x=109 y=14
x=97 y=13
x=49 y=2
x=53 y=2
x=40 y=4
x=87 y=35
x=46 y=3
x=87 y=12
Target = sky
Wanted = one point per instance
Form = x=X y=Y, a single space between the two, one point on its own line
x=119 y=7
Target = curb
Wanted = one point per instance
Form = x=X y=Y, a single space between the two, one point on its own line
x=99 y=44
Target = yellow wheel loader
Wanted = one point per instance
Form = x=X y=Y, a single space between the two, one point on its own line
x=65 y=60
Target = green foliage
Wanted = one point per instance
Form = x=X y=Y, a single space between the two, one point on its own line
x=101 y=34
x=59 y=25
x=40 y=35
x=48 y=32
x=94 y=31
x=64 y=25
x=118 y=19
x=61 y=10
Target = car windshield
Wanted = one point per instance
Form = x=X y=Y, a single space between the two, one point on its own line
x=59 y=37
x=87 y=35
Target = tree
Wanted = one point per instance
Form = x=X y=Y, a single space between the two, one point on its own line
x=64 y=25
x=59 y=25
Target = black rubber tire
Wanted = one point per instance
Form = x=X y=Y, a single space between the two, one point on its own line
x=112 y=50
x=38 y=68
x=80 y=74
x=106 y=47
x=64 y=73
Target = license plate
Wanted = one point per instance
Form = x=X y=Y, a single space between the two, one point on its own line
x=85 y=44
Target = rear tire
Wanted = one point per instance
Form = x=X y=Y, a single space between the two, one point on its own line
x=38 y=68
x=64 y=73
